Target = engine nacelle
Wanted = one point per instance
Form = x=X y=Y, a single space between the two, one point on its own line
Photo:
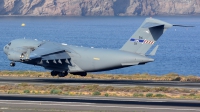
x=14 y=56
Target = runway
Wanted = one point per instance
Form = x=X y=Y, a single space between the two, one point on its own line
x=77 y=103
x=40 y=103
x=64 y=81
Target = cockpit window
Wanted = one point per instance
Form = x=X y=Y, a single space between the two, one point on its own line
x=9 y=44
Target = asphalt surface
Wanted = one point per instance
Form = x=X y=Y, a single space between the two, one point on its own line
x=73 y=103
x=61 y=81
x=40 y=103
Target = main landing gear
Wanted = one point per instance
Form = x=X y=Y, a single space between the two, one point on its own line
x=59 y=74
x=12 y=64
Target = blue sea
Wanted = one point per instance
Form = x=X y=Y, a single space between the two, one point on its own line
x=179 y=48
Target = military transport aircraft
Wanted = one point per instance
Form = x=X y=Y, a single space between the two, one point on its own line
x=63 y=59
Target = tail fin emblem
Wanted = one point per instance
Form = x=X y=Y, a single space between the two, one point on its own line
x=137 y=40
x=142 y=41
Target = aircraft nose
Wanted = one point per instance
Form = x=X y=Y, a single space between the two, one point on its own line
x=4 y=49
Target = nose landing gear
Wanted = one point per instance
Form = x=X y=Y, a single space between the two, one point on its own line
x=12 y=64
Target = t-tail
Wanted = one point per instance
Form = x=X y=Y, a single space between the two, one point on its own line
x=146 y=35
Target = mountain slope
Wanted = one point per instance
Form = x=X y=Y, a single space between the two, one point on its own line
x=99 y=7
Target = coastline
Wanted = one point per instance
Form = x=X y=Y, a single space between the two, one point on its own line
x=167 y=15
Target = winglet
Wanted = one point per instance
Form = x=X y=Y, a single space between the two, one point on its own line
x=153 y=52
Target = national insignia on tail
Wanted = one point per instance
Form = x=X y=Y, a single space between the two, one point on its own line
x=142 y=41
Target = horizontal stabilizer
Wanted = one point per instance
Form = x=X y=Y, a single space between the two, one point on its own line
x=183 y=26
x=151 y=25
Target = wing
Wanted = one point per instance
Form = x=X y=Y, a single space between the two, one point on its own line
x=50 y=51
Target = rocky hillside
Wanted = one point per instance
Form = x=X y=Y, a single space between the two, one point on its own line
x=99 y=7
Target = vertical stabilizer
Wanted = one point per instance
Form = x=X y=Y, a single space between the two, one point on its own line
x=146 y=35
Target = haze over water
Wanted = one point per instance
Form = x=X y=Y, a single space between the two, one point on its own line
x=179 y=48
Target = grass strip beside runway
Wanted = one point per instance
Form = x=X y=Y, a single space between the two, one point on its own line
x=145 y=76
x=107 y=91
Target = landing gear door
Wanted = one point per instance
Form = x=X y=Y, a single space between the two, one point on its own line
x=74 y=58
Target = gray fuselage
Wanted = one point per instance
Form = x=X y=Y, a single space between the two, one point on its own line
x=83 y=59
